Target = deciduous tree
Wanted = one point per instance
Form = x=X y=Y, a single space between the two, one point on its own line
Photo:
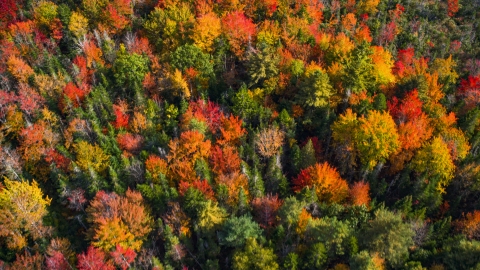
x=22 y=209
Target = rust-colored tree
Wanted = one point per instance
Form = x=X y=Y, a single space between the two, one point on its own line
x=269 y=141
x=224 y=160
x=265 y=210
x=452 y=7
x=470 y=225
x=184 y=152
x=359 y=193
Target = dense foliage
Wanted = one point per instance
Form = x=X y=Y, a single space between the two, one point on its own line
x=251 y=134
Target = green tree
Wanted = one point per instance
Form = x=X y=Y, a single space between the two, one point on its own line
x=315 y=257
x=262 y=65
x=307 y=155
x=389 y=236
x=129 y=70
x=434 y=162
x=190 y=56
x=333 y=233
x=254 y=256
x=362 y=261
x=236 y=230
x=358 y=70
x=315 y=88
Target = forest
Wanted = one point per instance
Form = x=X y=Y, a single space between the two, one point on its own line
x=239 y=134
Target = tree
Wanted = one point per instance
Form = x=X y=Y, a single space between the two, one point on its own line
x=206 y=30
x=22 y=209
x=470 y=91
x=254 y=256
x=433 y=162
x=262 y=65
x=93 y=259
x=326 y=180
x=389 y=236
x=123 y=257
x=359 y=193
x=265 y=210
x=118 y=220
x=57 y=261
x=358 y=71
x=332 y=233
x=364 y=261
x=315 y=89
x=130 y=143
x=237 y=230
x=452 y=7
x=374 y=138
x=269 y=141
x=90 y=157
x=19 y=68
x=231 y=130
x=224 y=160
x=239 y=30
x=184 y=152
x=190 y=56
x=211 y=216
x=129 y=70
x=78 y=24
x=470 y=225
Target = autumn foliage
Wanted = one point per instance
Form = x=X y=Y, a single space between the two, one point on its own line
x=227 y=134
x=326 y=181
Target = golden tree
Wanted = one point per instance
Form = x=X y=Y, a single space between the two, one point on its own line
x=22 y=208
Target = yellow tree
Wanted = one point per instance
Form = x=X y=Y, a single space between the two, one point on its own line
x=434 y=163
x=22 y=208
x=207 y=28
x=376 y=138
x=382 y=65
x=91 y=157
x=78 y=24
x=373 y=138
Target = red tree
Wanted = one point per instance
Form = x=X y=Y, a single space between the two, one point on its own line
x=57 y=262
x=452 y=7
x=93 y=259
x=123 y=257
x=239 y=30
x=470 y=91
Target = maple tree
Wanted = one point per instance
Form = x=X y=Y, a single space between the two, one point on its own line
x=206 y=30
x=359 y=193
x=92 y=259
x=123 y=257
x=224 y=160
x=190 y=145
x=326 y=181
x=265 y=210
x=239 y=30
x=118 y=220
